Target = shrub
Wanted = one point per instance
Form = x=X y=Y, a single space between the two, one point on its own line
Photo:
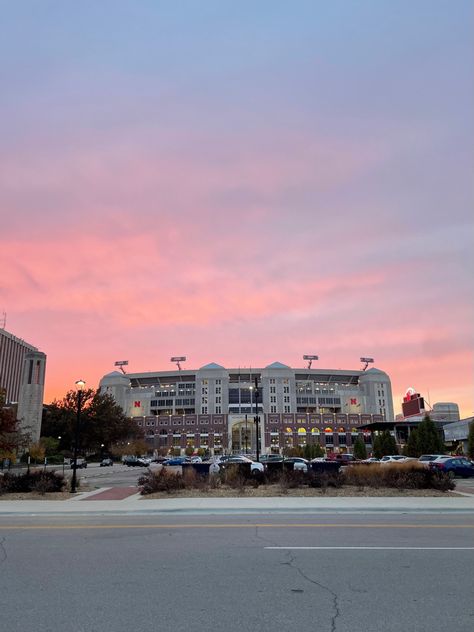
x=39 y=481
x=234 y=476
x=161 y=481
x=398 y=476
x=291 y=479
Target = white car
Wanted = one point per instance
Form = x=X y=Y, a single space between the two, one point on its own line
x=298 y=463
x=394 y=458
x=426 y=459
x=255 y=467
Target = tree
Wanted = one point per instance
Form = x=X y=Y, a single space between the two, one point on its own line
x=412 y=447
x=50 y=445
x=470 y=441
x=37 y=452
x=360 y=451
x=8 y=430
x=425 y=439
x=376 y=446
x=384 y=444
x=102 y=421
x=11 y=438
x=429 y=438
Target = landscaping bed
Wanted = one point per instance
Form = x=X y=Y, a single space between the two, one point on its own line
x=275 y=491
x=393 y=480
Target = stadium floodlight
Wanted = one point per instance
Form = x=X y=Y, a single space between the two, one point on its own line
x=121 y=364
x=178 y=359
x=310 y=358
x=367 y=362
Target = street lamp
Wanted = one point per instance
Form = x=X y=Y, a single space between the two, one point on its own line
x=80 y=387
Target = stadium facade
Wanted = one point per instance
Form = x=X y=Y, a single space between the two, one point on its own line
x=22 y=374
x=214 y=408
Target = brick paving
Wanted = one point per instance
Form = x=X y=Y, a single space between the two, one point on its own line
x=114 y=493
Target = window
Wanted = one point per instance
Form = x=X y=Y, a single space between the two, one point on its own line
x=273 y=399
x=286 y=409
x=204 y=390
x=204 y=410
x=218 y=390
x=218 y=410
x=204 y=400
x=219 y=400
x=286 y=389
x=286 y=399
x=272 y=381
x=273 y=389
x=273 y=409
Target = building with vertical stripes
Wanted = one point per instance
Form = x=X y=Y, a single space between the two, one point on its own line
x=214 y=407
x=22 y=374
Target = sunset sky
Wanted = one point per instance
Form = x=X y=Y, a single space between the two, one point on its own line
x=242 y=183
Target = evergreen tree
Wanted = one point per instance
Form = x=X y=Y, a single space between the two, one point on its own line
x=389 y=444
x=412 y=447
x=384 y=444
x=360 y=451
x=377 y=446
x=429 y=438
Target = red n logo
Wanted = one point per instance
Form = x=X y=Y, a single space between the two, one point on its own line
x=137 y=405
x=353 y=401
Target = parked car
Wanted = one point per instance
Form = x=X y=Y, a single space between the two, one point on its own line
x=343 y=458
x=222 y=458
x=255 y=466
x=393 y=458
x=106 y=462
x=271 y=458
x=456 y=466
x=80 y=464
x=177 y=460
x=159 y=459
x=298 y=463
x=426 y=459
x=135 y=461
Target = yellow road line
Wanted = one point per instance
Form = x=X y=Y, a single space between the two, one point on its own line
x=237 y=526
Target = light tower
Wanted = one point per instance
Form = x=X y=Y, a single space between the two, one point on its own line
x=178 y=359
x=310 y=359
x=367 y=362
x=121 y=364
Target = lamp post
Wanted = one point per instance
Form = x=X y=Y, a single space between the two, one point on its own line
x=80 y=386
x=246 y=436
x=257 y=418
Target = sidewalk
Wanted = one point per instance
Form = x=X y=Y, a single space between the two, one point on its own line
x=83 y=504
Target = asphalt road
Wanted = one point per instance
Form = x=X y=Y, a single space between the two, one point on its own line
x=264 y=573
x=117 y=475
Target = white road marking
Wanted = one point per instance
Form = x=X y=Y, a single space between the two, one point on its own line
x=370 y=548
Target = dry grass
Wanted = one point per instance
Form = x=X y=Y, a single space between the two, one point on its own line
x=275 y=491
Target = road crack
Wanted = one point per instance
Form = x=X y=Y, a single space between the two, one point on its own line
x=3 y=551
x=291 y=562
x=335 y=599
